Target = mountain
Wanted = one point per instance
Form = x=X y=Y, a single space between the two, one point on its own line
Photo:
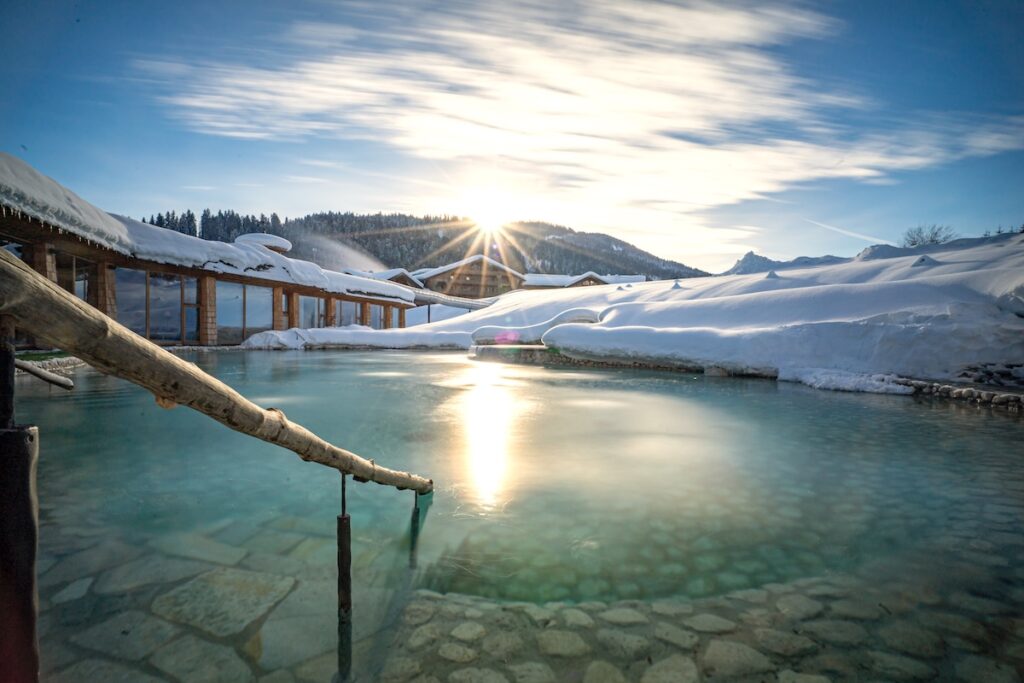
x=753 y=263
x=339 y=240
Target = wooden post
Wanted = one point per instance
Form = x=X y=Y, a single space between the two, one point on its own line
x=19 y=528
x=207 y=311
x=364 y=314
x=280 y=315
x=104 y=295
x=44 y=260
x=385 y=319
x=330 y=319
x=401 y=317
x=293 y=309
x=344 y=589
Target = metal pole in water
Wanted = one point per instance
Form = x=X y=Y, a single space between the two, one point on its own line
x=344 y=589
x=19 y=528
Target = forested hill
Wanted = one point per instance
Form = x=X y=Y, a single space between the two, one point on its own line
x=347 y=240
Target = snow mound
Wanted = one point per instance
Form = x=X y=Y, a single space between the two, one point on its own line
x=531 y=334
x=266 y=240
x=842 y=326
x=924 y=260
x=771 y=275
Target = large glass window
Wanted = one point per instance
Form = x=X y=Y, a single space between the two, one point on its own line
x=131 y=299
x=74 y=274
x=190 y=300
x=164 y=307
x=230 y=311
x=346 y=313
x=310 y=312
x=259 y=309
x=376 y=316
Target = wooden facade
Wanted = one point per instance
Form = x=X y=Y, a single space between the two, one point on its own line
x=475 y=278
x=171 y=304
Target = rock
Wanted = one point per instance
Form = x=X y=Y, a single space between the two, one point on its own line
x=281 y=676
x=129 y=635
x=399 y=669
x=855 y=609
x=502 y=645
x=973 y=603
x=422 y=636
x=532 y=672
x=907 y=637
x=455 y=652
x=223 y=601
x=89 y=562
x=709 y=623
x=623 y=616
x=898 y=667
x=798 y=607
x=954 y=623
x=190 y=659
x=73 y=591
x=669 y=608
x=979 y=669
x=286 y=641
x=318 y=669
x=835 y=631
x=468 y=631
x=476 y=676
x=726 y=658
x=783 y=643
x=97 y=670
x=418 y=612
x=557 y=643
x=790 y=676
x=196 y=547
x=540 y=615
x=274 y=542
x=681 y=638
x=602 y=672
x=146 y=571
x=577 y=618
x=622 y=644
x=674 y=669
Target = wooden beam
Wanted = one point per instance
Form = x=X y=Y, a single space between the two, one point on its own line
x=62 y=320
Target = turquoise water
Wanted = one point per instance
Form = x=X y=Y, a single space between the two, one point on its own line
x=552 y=485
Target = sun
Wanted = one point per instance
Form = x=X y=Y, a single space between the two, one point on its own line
x=489 y=208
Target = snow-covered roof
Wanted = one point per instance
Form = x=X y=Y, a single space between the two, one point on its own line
x=24 y=189
x=427 y=273
x=390 y=273
x=267 y=240
x=27 y=190
x=556 y=280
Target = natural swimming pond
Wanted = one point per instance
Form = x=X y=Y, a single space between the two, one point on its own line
x=633 y=518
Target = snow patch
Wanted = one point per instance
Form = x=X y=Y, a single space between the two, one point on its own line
x=531 y=334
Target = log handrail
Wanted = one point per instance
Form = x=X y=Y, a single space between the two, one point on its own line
x=51 y=314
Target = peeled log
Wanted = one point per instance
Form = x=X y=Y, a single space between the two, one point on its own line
x=55 y=316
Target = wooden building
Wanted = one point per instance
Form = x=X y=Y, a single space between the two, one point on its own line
x=174 y=288
x=476 y=277
x=588 y=279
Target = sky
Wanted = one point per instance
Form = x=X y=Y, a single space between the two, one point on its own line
x=696 y=130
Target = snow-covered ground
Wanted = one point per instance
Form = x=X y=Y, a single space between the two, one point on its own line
x=927 y=313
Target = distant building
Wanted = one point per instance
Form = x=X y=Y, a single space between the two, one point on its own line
x=399 y=275
x=590 y=278
x=476 y=277
x=174 y=288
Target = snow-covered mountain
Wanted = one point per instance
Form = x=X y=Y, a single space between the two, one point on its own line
x=754 y=263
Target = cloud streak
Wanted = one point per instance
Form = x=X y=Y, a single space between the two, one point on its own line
x=638 y=116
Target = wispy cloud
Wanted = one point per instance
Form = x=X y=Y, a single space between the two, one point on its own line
x=636 y=116
x=199 y=188
x=850 y=233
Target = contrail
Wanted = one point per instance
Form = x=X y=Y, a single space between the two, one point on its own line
x=850 y=233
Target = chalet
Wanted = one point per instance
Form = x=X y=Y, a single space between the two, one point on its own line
x=177 y=289
x=476 y=277
x=590 y=278
x=399 y=275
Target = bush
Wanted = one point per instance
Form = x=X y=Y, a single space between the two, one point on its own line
x=928 y=234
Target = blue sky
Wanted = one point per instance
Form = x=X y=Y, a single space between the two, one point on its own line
x=695 y=130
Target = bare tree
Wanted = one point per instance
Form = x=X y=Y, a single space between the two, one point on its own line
x=928 y=234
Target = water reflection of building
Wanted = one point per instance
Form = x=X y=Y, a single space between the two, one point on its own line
x=174 y=288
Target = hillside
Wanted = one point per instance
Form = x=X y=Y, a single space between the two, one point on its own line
x=339 y=240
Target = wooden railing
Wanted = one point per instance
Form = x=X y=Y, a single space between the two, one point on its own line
x=55 y=316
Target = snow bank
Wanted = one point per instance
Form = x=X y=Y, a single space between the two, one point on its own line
x=531 y=334
x=358 y=336
x=845 y=326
